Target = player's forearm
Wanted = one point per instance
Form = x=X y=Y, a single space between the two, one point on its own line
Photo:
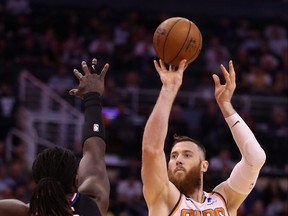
x=157 y=125
x=249 y=147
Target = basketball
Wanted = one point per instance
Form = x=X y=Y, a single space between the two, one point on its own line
x=177 y=38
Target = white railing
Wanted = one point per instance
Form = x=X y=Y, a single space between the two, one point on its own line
x=47 y=119
x=257 y=105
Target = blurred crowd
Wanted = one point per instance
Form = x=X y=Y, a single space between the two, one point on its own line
x=51 y=42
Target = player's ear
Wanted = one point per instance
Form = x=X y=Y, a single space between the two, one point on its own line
x=204 y=165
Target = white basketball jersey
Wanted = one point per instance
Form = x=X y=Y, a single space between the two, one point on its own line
x=213 y=204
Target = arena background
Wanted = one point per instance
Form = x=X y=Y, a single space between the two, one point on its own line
x=41 y=42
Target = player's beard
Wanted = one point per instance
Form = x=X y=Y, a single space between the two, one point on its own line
x=190 y=182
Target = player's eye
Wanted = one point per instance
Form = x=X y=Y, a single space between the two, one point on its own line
x=173 y=156
x=187 y=155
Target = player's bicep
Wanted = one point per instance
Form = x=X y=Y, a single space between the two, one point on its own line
x=92 y=174
x=13 y=207
x=154 y=175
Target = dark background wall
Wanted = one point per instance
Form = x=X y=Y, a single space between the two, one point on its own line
x=268 y=8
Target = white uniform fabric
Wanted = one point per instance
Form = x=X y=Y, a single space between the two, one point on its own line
x=213 y=204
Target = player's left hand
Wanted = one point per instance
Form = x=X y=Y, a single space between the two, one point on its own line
x=224 y=93
x=89 y=82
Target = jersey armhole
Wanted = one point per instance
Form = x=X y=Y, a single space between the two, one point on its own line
x=177 y=205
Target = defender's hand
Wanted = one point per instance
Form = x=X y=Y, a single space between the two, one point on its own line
x=89 y=82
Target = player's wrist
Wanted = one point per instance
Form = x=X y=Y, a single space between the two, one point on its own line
x=91 y=98
x=226 y=109
x=93 y=125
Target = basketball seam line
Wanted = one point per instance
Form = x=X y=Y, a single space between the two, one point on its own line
x=163 y=53
x=182 y=44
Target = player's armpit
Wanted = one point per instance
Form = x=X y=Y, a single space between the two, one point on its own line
x=232 y=198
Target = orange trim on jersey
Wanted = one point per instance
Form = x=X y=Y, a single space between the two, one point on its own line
x=175 y=209
x=222 y=198
x=204 y=197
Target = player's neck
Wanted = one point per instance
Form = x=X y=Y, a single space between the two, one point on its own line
x=197 y=195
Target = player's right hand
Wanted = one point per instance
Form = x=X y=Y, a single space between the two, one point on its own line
x=89 y=82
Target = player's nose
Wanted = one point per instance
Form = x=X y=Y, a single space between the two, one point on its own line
x=179 y=161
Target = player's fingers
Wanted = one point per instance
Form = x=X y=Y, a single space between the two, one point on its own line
x=94 y=64
x=94 y=61
x=73 y=91
x=182 y=65
x=77 y=74
x=104 y=71
x=225 y=74
x=216 y=80
x=157 y=67
x=162 y=64
x=85 y=68
x=232 y=72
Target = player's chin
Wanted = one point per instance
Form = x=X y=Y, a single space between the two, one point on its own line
x=179 y=173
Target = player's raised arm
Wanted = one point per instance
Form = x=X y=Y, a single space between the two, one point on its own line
x=92 y=173
x=154 y=168
x=245 y=173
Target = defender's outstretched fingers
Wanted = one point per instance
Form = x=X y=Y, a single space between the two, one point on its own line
x=73 y=92
x=77 y=74
x=85 y=68
x=104 y=71
x=94 y=64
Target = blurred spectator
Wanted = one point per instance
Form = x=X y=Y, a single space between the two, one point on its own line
x=111 y=95
x=62 y=81
x=208 y=126
x=124 y=133
x=16 y=7
x=258 y=209
x=222 y=162
x=253 y=42
x=273 y=191
x=277 y=38
x=73 y=50
x=5 y=179
x=216 y=54
x=281 y=78
x=51 y=47
x=102 y=48
x=18 y=173
x=274 y=207
x=9 y=106
x=221 y=165
x=284 y=211
x=178 y=124
x=278 y=136
x=144 y=52
x=129 y=190
x=258 y=81
x=29 y=53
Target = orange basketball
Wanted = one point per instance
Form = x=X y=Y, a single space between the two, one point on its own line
x=177 y=38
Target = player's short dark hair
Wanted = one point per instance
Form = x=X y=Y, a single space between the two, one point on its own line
x=54 y=171
x=180 y=138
